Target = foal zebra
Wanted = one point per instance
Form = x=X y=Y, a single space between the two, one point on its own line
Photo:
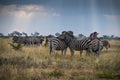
x=80 y=45
x=106 y=44
x=57 y=44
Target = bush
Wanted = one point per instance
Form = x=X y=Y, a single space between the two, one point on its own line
x=108 y=75
x=56 y=73
x=16 y=46
x=3 y=46
x=108 y=66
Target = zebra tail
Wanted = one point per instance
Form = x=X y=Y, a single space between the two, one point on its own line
x=98 y=50
x=108 y=44
x=50 y=46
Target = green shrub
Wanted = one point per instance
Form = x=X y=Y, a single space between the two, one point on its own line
x=108 y=66
x=16 y=46
x=3 y=46
x=108 y=75
x=56 y=73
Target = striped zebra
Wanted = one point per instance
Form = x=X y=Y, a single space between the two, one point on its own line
x=95 y=46
x=57 y=44
x=80 y=45
x=93 y=35
x=97 y=43
x=106 y=44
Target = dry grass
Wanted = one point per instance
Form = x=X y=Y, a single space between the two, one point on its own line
x=35 y=63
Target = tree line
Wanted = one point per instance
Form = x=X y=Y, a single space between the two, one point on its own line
x=17 y=33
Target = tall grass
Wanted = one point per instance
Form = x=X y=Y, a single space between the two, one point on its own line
x=108 y=64
x=35 y=63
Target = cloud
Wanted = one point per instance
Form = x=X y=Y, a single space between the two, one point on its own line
x=32 y=8
x=25 y=17
x=56 y=14
x=24 y=11
x=113 y=24
x=112 y=17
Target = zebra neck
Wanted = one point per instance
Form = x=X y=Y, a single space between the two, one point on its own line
x=69 y=41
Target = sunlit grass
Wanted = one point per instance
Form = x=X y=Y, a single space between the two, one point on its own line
x=35 y=63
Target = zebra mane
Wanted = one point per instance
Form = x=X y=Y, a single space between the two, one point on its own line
x=70 y=34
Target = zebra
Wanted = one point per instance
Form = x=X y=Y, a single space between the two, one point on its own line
x=93 y=36
x=80 y=45
x=18 y=39
x=106 y=44
x=46 y=42
x=57 y=44
x=95 y=46
x=27 y=40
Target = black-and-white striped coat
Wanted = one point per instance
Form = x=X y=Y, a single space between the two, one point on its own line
x=105 y=44
x=80 y=45
x=95 y=46
x=57 y=44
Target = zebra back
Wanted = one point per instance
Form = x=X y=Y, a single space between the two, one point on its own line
x=75 y=44
x=106 y=44
x=83 y=44
x=56 y=44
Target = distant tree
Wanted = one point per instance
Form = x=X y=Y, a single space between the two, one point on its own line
x=105 y=36
x=81 y=36
x=10 y=34
x=35 y=34
x=16 y=33
x=1 y=34
x=24 y=33
x=50 y=36
x=112 y=36
x=32 y=34
x=57 y=34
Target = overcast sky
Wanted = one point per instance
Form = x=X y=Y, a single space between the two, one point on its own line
x=51 y=16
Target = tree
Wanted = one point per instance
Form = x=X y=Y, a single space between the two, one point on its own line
x=1 y=34
x=35 y=34
x=112 y=36
x=105 y=36
x=57 y=34
x=10 y=34
x=81 y=36
x=50 y=36
x=24 y=33
x=16 y=33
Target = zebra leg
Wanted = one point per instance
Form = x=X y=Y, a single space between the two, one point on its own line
x=52 y=50
x=62 y=52
x=81 y=52
x=106 y=48
x=65 y=51
x=88 y=52
x=72 y=52
x=97 y=53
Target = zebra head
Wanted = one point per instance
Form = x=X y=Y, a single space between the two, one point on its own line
x=67 y=36
x=15 y=39
x=93 y=35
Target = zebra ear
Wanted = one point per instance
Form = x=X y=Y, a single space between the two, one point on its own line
x=70 y=32
x=61 y=37
x=64 y=32
x=96 y=33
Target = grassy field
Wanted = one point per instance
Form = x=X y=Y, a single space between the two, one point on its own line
x=35 y=63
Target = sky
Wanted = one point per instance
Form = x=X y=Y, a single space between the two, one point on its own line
x=52 y=16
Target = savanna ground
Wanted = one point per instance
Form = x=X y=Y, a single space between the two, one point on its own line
x=35 y=63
